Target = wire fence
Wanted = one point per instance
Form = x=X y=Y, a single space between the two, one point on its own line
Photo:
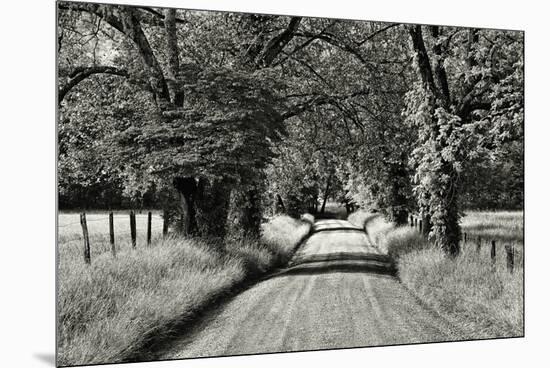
x=102 y=218
x=100 y=230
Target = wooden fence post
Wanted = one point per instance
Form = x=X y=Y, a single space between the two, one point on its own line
x=112 y=233
x=84 y=225
x=412 y=220
x=493 y=251
x=478 y=249
x=133 y=227
x=149 y=228
x=420 y=226
x=165 y=221
x=510 y=257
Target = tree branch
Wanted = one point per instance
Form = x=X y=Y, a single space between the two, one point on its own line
x=439 y=67
x=126 y=20
x=80 y=73
x=304 y=44
x=160 y=17
x=422 y=59
x=302 y=107
x=276 y=45
x=374 y=34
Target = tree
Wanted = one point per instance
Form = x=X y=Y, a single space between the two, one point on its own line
x=453 y=110
x=239 y=112
x=172 y=127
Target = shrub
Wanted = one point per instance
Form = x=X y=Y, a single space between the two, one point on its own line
x=308 y=217
x=361 y=217
x=377 y=229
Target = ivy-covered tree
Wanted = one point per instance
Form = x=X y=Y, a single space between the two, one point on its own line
x=468 y=97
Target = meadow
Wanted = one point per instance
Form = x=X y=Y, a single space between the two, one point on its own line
x=483 y=299
x=109 y=310
x=70 y=231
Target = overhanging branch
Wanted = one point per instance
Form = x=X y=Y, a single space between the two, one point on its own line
x=80 y=73
x=157 y=18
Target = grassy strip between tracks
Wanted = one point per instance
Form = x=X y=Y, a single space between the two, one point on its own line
x=482 y=300
x=107 y=311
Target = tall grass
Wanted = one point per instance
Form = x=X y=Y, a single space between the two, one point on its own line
x=482 y=299
x=375 y=226
x=108 y=310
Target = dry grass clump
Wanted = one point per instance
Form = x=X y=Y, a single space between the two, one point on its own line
x=401 y=240
x=377 y=229
x=308 y=217
x=108 y=310
x=482 y=299
x=360 y=217
x=284 y=233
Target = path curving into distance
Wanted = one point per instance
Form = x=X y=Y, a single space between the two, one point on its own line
x=338 y=291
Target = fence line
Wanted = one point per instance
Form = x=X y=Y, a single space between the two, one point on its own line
x=105 y=218
x=117 y=234
x=111 y=234
x=508 y=247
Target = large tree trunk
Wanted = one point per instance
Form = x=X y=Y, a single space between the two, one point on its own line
x=211 y=203
x=440 y=204
x=398 y=211
x=187 y=189
x=280 y=205
x=426 y=224
x=172 y=51
x=245 y=212
x=444 y=218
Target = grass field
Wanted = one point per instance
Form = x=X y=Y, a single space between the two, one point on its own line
x=70 y=232
x=483 y=300
x=109 y=310
x=501 y=226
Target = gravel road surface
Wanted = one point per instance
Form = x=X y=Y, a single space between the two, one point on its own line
x=338 y=291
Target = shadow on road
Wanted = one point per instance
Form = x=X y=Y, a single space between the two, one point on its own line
x=342 y=256
x=341 y=215
x=340 y=262
x=342 y=229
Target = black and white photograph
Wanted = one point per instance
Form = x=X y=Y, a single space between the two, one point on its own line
x=240 y=183
x=234 y=183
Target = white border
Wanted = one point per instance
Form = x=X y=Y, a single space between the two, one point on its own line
x=28 y=180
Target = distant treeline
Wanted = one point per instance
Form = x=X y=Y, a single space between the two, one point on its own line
x=496 y=195
x=104 y=196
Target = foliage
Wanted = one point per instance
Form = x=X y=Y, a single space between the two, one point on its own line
x=359 y=117
x=224 y=134
x=294 y=178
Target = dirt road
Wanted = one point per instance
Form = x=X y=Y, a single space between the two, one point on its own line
x=338 y=291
